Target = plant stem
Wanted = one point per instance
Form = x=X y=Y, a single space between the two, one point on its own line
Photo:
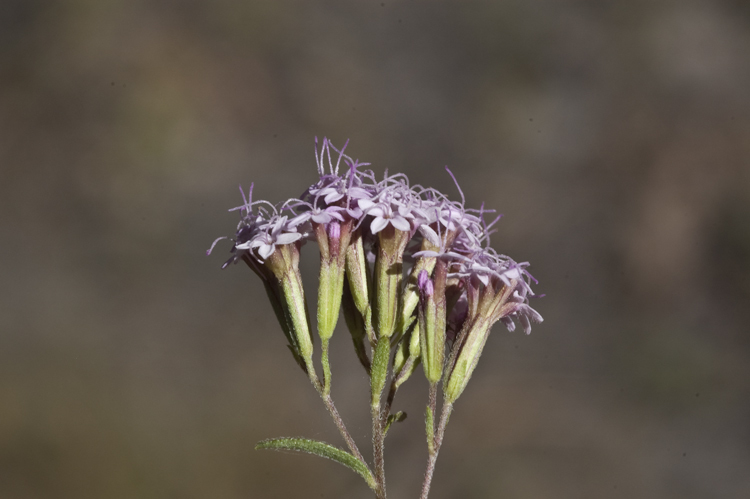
x=378 y=438
x=326 y=368
x=447 y=409
x=378 y=376
x=389 y=400
x=431 y=422
x=328 y=401
x=342 y=428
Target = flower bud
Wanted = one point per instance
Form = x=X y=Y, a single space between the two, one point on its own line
x=284 y=264
x=488 y=303
x=425 y=284
x=410 y=298
x=334 y=238
x=431 y=327
x=331 y=241
x=358 y=276
x=402 y=355
x=388 y=269
x=475 y=338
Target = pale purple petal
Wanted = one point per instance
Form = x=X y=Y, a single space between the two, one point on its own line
x=288 y=238
x=378 y=224
x=509 y=323
x=333 y=197
x=257 y=243
x=321 y=218
x=534 y=315
x=405 y=211
x=336 y=215
x=266 y=250
x=355 y=213
x=422 y=278
x=419 y=213
x=376 y=211
x=525 y=323
x=513 y=273
x=279 y=226
x=429 y=234
x=358 y=193
x=365 y=204
x=400 y=223
x=299 y=219
x=427 y=254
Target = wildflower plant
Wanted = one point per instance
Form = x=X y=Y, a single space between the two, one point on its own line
x=415 y=277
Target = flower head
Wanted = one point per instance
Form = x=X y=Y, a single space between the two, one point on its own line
x=388 y=222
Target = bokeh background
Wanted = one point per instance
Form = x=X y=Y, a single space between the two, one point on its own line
x=613 y=135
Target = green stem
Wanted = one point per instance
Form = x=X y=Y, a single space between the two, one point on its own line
x=326 y=367
x=377 y=383
x=328 y=401
x=439 y=434
x=342 y=429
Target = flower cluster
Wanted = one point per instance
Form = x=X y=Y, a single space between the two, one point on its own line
x=419 y=267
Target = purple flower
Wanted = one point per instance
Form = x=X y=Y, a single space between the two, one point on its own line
x=458 y=236
x=319 y=215
x=384 y=214
x=273 y=233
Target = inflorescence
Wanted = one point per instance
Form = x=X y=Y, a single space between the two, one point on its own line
x=422 y=278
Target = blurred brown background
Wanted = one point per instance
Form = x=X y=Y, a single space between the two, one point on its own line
x=614 y=136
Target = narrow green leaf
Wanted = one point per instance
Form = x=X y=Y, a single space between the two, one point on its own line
x=321 y=449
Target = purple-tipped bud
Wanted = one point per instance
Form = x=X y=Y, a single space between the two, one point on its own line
x=422 y=279
x=334 y=231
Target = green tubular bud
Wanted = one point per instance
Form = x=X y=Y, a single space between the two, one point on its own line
x=280 y=308
x=402 y=355
x=410 y=297
x=388 y=269
x=329 y=299
x=406 y=359
x=432 y=323
x=414 y=341
x=359 y=281
x=356 y=273
x=294 y=295
x=284 y=264
x=411 y=365
x=333 y=241
x=273 y=293
x=492 y=306
x=467 y=358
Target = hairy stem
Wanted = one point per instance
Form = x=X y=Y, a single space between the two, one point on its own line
x=378 y=437
x=446 y=413
x=342 y=428
x=377 y=384
x=328 y=401
x=326 y=368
